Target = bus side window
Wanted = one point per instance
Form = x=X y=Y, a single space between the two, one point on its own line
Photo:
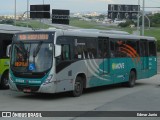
x=152 y=48
x=65 y=52
x=132 y=48
x=119 y=48
x=92 y=48
x=112 y=49
x=5 y=43
x=143 y=48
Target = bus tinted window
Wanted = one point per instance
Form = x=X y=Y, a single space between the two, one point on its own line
x=80 y=49
x=116 y=48
x=65 y=52
x=85 y=48
x=152 y=48
x=131 y=48
x=92 y=48
x=143 y=48
x=103 y=47
x=119 y=49
x=112 y=47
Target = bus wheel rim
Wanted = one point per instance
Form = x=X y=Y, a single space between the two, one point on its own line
x=77 y=87
x=6 y=82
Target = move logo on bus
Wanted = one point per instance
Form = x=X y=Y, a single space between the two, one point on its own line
x=129 y=51
x=117 y=66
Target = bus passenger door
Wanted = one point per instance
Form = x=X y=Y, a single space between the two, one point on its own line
x=144 y=57
x=103 y=52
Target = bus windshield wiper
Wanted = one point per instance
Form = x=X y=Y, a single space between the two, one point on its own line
x=21 y=47
x=36 y=51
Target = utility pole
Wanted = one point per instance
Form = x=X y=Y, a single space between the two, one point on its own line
x=143 y=14
x=138 y=16
x=15 y=12
x=27 y=12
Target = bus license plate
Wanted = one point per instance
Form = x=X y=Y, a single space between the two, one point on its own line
x=27 y=90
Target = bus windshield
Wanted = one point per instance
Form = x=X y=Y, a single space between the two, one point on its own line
x=31 y=56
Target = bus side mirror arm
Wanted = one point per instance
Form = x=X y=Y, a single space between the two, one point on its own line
x=58 y=50
x=8 y=50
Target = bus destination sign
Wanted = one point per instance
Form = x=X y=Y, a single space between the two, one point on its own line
x=33 y=37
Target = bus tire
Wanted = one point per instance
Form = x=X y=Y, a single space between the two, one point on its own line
x=132 y=79
x=78 y=87
x=5 y=81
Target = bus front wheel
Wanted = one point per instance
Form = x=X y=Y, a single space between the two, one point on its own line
x=132 y=79
x=4 y=81
x=78 y=87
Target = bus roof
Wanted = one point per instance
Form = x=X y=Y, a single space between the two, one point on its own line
x=108 y=33
x=96 y=33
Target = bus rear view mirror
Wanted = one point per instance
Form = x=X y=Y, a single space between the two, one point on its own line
x=8 y=50
x=58 y=50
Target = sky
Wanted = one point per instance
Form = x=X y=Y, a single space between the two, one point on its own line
x=7 y=6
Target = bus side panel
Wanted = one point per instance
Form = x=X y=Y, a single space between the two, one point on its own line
x=66 y=77
x=4 y=63
x=92 y=68
x=152 y=66
x=98 y=72
x=148 y=67
x=119 y=69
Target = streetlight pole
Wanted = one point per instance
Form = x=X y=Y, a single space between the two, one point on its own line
x=27 y=12
x=143 y=14
x=138 y=16
x=15 y=12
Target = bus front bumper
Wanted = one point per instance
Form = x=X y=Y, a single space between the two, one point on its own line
x=44 y=88
x=12 y=85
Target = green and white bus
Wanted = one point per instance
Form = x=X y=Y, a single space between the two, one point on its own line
x=5 y=41
x=6 y=35
x=54 y=61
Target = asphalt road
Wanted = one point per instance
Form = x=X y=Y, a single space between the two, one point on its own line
x=145 y=96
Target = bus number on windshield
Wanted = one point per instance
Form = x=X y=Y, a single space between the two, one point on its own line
x=21 y=64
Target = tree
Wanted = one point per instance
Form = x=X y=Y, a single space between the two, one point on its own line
x=127 y=23
x=7 y=21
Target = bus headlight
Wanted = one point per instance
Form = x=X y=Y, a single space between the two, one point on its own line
x=48 y=80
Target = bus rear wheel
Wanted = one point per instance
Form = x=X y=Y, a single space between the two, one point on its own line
x=78 y=87
x=132 y=79
x=5 y=81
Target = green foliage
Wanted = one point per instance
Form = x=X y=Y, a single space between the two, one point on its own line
x=127 y=23
x=154 y=32
x=155 y=20
x=7 y=21
x=96 y=17
x=33 y=24
x=82 y=24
